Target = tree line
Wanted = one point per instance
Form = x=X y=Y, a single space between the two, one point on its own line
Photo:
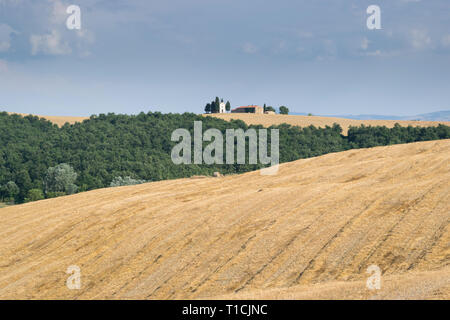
x=40 y=160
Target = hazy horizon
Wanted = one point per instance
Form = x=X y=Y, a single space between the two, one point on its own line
x=291 y=112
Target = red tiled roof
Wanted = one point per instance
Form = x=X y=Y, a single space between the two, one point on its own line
x=246 y=107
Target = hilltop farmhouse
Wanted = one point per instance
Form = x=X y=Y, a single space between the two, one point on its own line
x=249 y=109
x=218 y=106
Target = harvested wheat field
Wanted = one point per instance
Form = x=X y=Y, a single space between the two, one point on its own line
x=310 y=231
x=303 y=121
x=274 y=119
x=59 y=120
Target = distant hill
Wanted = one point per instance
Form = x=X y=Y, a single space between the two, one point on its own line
x=59 y=120
x=432 y=116
x=318 y=121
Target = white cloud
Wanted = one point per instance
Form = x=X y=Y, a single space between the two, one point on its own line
x=420 y=39
x=383 y=54
x=249 y=48
x=85 y=37
x=57 y=39
x=376 y=53
x=5 y=37
x=58 y=15
x=49 y=44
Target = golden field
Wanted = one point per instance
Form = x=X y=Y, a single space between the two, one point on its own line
x=59 y=120
x=274 y=119
x=304 y=121
x=310 y=231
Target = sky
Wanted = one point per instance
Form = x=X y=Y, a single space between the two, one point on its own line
x=177 y=55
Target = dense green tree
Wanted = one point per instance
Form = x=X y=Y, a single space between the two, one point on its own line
x=126 y=181
x=284 y=110
x=24 y=183
x=208 y=108
x=54 y=194
x=108 y=145
x=214 y=107
x=34 y=195
x=269 y=108
x=61 y=178
x=228 y=106
x=12 y=190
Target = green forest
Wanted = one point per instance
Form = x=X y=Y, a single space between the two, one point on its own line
x=40 y=160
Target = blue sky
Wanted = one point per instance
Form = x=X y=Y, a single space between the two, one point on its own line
x=176 y=55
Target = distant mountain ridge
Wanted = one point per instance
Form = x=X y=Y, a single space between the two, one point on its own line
x=432 y=116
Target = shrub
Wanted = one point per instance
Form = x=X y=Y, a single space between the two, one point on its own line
x=61 y=179
x=34 y=195
x=55 y=194
x=9 y=191
x=126 y=181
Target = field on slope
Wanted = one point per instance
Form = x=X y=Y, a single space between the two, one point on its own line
x=269 y=119
x=303 y=121
x=59 y=120
x=309 y=231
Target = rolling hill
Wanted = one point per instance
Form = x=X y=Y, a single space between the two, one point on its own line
x=304 y=121
x=59 y=120
x=268 y=120
x=431 y=116
x=310 y=231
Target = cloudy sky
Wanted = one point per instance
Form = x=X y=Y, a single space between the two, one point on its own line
x=176 y=55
